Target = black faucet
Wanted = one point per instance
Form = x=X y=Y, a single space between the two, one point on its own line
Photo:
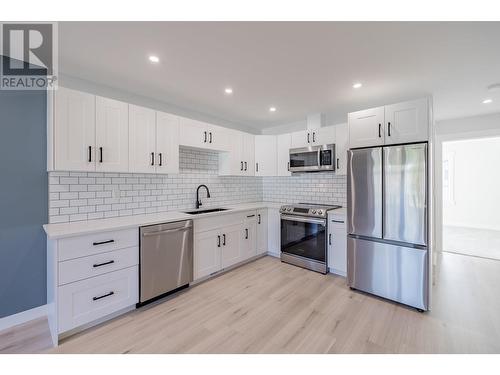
x=198 y=201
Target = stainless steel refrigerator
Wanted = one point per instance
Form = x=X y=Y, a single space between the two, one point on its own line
x=387 y=202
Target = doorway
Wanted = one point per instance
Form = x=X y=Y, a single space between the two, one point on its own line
x=471 y=197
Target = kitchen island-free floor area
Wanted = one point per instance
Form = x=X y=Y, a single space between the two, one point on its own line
x=271 y=307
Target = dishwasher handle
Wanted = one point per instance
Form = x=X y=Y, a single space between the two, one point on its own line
x=166 y=231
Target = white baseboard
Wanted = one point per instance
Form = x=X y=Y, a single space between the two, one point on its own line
x=23 y=317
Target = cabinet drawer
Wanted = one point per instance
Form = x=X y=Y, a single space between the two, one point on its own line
x=77 y=247
x=95 y=265
x=87 y=300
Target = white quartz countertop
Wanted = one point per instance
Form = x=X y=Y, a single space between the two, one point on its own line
x=339 y=212
x=61 y=230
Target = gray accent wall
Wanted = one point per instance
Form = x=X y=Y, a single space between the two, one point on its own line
x=23 y=202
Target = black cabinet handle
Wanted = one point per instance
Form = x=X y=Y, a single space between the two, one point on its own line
x=161 y=162
x=103 y=296
x=258 y=219
x=103 y=242
x=223 y=240
x=100 y=154
x=245 y=166
x=288 y=166
x=205 y=139
x=379 y=130
x=389 y=129
x=314 y=137
x=103 y=264
x=90 y=154
x=250 y=215
x=330 y=239
x=218 y=241
x=256 y=167
x=241 y=165
x=210 y=134
x=338 y=160
x=246 y=233
x=308 y=138
x=152 y=158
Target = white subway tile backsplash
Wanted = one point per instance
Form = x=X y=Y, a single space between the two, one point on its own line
x=87 y=196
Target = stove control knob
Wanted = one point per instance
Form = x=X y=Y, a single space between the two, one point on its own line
x=289 y=209
x=313 y=211
x=320 y=212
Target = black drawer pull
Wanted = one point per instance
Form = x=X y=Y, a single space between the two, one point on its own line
x=250 y=215
x=103 y=242
x=103 y=296
x=103 y=264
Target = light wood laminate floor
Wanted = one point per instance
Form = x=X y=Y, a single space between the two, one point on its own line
x=271 y=307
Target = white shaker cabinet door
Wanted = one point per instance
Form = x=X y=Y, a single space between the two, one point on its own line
x=407 y=122
x=283 y=145
x=265 y=155
x=142 y=139
x=366 y=128
x=167 y=143
x=74 y=131
x=341 y=147
x=111 y=135
x=262 y=230
x=207 y=253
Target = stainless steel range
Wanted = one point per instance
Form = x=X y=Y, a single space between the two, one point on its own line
x=304 y=235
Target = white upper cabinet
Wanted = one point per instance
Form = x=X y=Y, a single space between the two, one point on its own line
x=324 y=136
x=167 y=143
x=142 y=139
x=366 y=128
x=111 y=135
x=313 y=137
x=240 y=159
x=199 y=134
x=407 y=122
x=283 y=145
x=266 y=158
x=74 y=131
x=341 y=147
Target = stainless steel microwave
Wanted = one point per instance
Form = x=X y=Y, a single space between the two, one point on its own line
x=312 y=158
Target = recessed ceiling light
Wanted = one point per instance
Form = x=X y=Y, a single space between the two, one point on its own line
x=272 y=109
x=154 y=59
x=487 y=101
x=357 y=85
x=228 y=90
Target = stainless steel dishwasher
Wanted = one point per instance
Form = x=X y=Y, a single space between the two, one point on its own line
x=166 y=259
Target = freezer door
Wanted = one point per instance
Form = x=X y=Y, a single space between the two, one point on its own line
x=364 y=192
x=405 y=193
x=390 y=271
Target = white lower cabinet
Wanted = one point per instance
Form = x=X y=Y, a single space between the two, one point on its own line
x=274 y=232
x=223 y=241
x=262 y=231
x=91 y=277
x=337 y=244
x=90 y=299
x=207 y=253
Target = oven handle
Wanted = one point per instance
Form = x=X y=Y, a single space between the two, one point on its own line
x=303 y=219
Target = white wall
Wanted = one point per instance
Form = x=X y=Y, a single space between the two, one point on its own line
x=475 y=183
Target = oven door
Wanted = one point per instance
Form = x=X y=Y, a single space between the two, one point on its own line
x=304 y=237
x=304 y=159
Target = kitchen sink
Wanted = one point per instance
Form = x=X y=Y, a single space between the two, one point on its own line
x=197 y=212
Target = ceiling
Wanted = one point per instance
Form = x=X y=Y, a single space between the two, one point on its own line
x=298 y=67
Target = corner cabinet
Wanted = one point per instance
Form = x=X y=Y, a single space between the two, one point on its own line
x=405 y=122
x=265 y=155
x=200 y=134
x=240 y=159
